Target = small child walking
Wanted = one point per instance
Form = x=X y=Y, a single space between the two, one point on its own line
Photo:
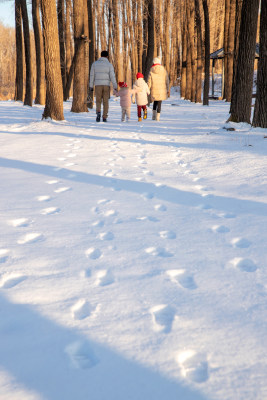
x=141 y=96
x=125 y=95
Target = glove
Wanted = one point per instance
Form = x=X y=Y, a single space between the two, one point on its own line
x=91 y=89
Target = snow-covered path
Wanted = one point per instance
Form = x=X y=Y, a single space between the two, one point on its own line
x=132 y=256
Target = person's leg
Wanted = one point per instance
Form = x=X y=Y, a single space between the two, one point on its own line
x=145 y=111
x=106 y=94
x=123 y=112
x=98 y=94
x=159 y=106
x=155 y=104
x=128 y=113
x=139 y=109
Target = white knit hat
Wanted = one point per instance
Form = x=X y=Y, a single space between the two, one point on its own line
x=156 y=60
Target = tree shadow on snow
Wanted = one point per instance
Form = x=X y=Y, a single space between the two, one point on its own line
x=57 y=362
x=164 y=193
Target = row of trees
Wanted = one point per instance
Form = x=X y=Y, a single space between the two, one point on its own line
x=69 y=35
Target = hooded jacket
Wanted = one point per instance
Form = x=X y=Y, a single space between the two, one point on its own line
x=102 y=73
x=141 y=95
x=158 y=83
x=125 y=95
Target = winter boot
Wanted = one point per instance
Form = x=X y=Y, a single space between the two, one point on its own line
x=98 y=116
x=158 y=116
x=105 y=119
x=154 y=115
x=139 y=119
x=145 y=114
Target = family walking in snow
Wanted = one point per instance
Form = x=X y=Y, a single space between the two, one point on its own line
x=102 y=75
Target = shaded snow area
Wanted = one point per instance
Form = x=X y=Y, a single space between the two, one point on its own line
x=132 y=255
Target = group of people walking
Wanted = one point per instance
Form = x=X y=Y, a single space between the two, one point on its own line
x=157 y=86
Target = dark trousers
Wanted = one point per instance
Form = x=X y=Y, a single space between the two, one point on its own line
x=157 y=105
x=139 y=110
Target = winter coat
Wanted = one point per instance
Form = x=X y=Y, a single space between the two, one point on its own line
x=141 y=96
x=125 y=95
x=158 y=83
x=102 y=73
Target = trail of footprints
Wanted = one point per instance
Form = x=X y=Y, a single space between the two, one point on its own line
x=11 y=279
x=193 y=365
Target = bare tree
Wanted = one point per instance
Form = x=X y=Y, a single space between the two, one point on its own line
x=27 y=45
x=245 y=61
x=207 y=54
x=54 y=93
x=260 y=113
x=19 y=52
x=199 y=52
x=39 y=51
x=150 y=36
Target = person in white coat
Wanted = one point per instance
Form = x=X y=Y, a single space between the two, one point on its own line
x=101 y=76
x=158 y=83
x=141 y=96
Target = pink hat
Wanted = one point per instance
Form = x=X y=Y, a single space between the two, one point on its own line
x=122 y=84
x=139 y=75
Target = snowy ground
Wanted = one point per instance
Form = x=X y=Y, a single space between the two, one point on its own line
x=132 y=256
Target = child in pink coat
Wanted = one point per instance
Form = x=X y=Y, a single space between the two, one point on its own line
x=125 y=95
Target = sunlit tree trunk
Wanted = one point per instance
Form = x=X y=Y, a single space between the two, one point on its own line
x=54 y=92
x=207 y=54
x=19 y=53
x=245 y=61
x=260 y=113
x=27 y=45
x=39 y=51
x=150 y=36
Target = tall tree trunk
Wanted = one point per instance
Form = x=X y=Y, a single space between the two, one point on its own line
x=61 y=37
x=167 y=19
x=140 y=35
x=145 y=36
x=189 y=62
x=260 y=112
x=234 y=98
x=19 y=53
x=230 y=52
x=54 y=93
x=184 y=60
x=199 y=52
x=207 y=54
x=117 y=41
x=245 y=61
x=68 y=46
x=39 y=50
x=79 y=98
x=27 y=44
x=150 y=36
x=225 y=43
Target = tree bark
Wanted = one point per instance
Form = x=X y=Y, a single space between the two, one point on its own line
x=27 y=45
x=207 y=54
x=79 y=98
x=245 y=61
x=19 y=53
x=150 y=37
x=39 y=50
x=199 y=52
x=54 y=93
x=230 y=52
x=225 y=43
x=260 y=112
x=61 y=37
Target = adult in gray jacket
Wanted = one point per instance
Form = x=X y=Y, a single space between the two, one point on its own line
x=101 y=75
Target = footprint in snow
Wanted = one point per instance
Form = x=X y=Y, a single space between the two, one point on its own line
x=43 y=198
x=82 y=309
x=50 y=211
x=106 y=236
x=193 y=366
x=160 y=207
x=147 y=172
x=162 y=316
x=148 y=195
x=61 y=159
x=104 y=278
x=110 y=213
x=243 y=264
x=62 y=189
x=182 y=278
x=69 y=164
x=71 y=155
x=30 y=238
x=93 y=253
x=220 y=229
x=227 y=215
x=103 y=201
x=3 y=255
x=10 y=280
x=204 y=206
x=98 y=224
x=19 y=222
x=167 y=235
x=158 y=252
x=81 y=355
x=52 y=182
x=241 y=243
